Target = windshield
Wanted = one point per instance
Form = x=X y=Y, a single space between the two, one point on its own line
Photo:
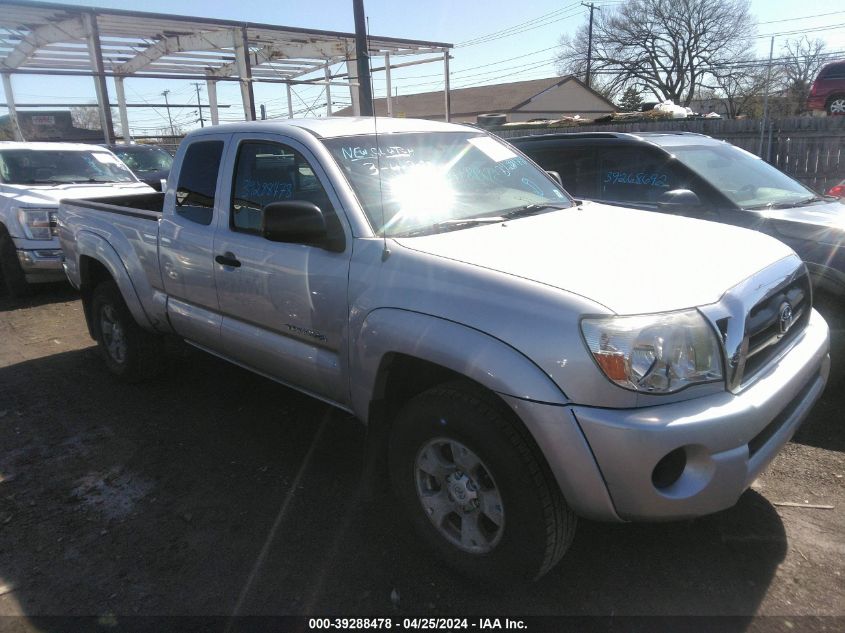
x=28 y=167
x=144 y=159
x=746 y=180
x=413 y=183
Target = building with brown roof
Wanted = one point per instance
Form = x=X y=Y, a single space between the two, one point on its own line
x=549 y=98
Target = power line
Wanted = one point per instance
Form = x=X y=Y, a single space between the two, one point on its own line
x=804 y=17
x=550 y=14
x=808 y=30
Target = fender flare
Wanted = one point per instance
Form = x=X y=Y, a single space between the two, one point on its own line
x=477 y=355
x=89 y=244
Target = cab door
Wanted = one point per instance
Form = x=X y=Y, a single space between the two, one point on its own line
x=186 y=241
x=284 y=306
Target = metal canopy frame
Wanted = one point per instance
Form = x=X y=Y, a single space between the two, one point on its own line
x=57 y=39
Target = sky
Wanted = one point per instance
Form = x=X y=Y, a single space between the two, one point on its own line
x=494 y=43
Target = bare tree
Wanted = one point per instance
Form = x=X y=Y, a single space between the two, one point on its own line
x=667 y=46
x=802 y=60
x=743 y=85
x=85 y=117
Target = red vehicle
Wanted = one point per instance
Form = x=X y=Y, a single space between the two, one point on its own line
x=828 y=90
x=838 y=190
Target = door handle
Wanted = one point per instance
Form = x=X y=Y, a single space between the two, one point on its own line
x=228 y=259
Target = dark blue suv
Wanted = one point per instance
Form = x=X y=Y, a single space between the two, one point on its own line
x=697 y=176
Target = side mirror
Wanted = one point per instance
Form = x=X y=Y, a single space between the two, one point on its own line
x=293 y=221
x=556 y=176
x=678 y=199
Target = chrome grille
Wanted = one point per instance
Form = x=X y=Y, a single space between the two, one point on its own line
x=748 y=318
x=765 y=324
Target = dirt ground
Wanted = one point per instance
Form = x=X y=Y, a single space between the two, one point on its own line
x=211 y=491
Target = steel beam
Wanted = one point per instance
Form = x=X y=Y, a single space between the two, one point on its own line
x=64 y=31
x=10 y=103
x=290 y=102
x=328 y=91
x=121 y=107
x=204 y=41
x=446 y=92
x=352 y=72
x=274 y=52
x=211 y=87
x=389 y=86
x=96 y=53
x=244 y=72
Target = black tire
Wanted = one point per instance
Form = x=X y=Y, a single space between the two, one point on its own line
x=537 y=526
x=130 y=352
x=13 y=278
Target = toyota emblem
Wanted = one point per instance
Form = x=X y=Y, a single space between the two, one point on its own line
x=785 y=318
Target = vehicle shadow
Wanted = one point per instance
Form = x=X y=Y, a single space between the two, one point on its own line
x=824 y=428
x=40 y=294
x=211 y=491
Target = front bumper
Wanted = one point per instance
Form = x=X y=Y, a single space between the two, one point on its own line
x=727 y=439
x=41 y=265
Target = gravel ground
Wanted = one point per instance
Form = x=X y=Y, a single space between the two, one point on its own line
x=211 y=491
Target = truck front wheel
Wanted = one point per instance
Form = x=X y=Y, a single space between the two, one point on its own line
x=129 y=352
x=475 y=487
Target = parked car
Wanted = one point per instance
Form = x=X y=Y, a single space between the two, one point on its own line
x=149 y=163
x=519 y=358
x=33 y=178
x=837 y=190
x=828 y=90
x=697 y=176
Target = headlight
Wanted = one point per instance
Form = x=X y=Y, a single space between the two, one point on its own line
x=38 y=224
x=660 y=353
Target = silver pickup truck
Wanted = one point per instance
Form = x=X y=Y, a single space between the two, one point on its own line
x=519 y=358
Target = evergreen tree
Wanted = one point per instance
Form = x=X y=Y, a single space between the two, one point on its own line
x=631 y=100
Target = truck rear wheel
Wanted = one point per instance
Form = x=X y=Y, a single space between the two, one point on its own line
x=130 y=352
x=475 y=487
x=13 y=278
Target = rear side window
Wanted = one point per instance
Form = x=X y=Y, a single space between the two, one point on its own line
x=834 y=71
x=576 y=166
x=198 y=181
x=633 y=174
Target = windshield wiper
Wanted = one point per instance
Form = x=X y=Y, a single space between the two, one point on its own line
x=810 y=201
x=532 y=209
x=784 y=205
x=453 y=225
x=47 y=181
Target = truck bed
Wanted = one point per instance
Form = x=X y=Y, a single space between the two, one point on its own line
x=145 y=205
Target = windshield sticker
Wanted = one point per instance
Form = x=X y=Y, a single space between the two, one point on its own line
x=630 y=178
x=493 y=149
x=533 y=187
x=488 y=175
x=106 y=159
x=355 y=153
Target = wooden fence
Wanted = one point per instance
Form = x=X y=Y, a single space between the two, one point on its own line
x=810 y=149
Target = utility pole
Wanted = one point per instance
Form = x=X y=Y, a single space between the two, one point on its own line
x=590 y=40
x=365 y=91
x=199 y=104
x=263 y=112
x=766 y=99
x=167 y=105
